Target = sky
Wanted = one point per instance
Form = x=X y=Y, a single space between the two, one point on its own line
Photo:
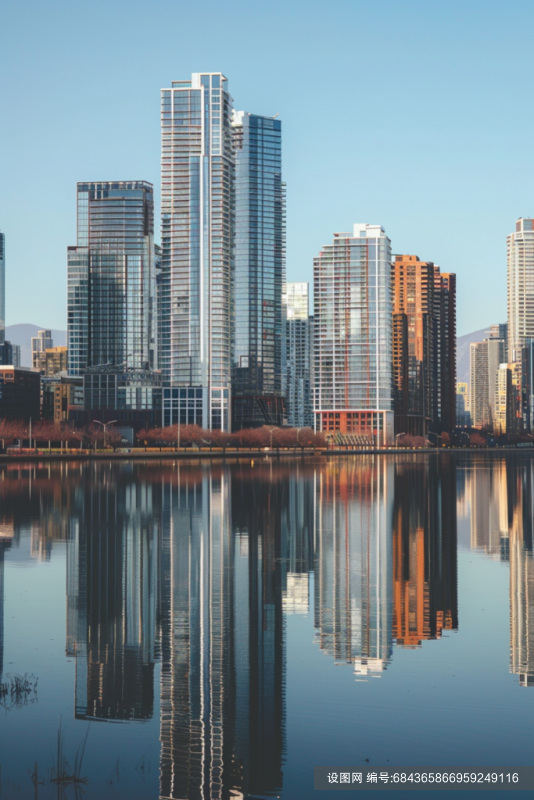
x=415 y=115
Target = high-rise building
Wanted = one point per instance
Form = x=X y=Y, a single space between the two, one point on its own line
x=486 y=358
x=520 y=247
x=479 y=384
x=197 y=237
x=414 y=330
x=50 y=361
x=10 y=354
x=43 y=341
x=527 y=385
x=463 y=416
x=353 y=335
x=298 y=381
x=2 y=287
x=445 y=344
x=499 y=331
x=259 y=272
x=503 y=401
x=111 y=278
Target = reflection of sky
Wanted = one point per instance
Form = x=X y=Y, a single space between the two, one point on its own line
x=451 y=702
x=35 y=615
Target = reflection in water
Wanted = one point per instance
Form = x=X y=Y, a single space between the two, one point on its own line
x=424 y=550
x=501 y=497
x=353 y=604
x=6 y=537
x=489 y=507
x=2 y=546
x=197 y=565
x=112 y=569
x=522 y=575
x=222 y=636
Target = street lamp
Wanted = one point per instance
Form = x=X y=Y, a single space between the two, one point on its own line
x=105 y=426
x=271 y=432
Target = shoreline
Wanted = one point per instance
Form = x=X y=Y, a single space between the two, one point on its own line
x=188 y=454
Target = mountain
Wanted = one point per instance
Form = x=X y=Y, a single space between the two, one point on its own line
x=22 y=334
x=462 y=352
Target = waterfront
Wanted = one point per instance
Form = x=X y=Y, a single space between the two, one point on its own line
x=221 y=628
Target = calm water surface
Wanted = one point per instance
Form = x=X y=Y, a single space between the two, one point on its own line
x=216 y=630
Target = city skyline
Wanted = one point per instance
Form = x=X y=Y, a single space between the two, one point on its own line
x=456 y=154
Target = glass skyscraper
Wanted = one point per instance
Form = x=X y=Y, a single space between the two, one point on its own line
x=111 y=278
x=259 y=272
x=197 y=218
x=353 y=335
x=299 y=348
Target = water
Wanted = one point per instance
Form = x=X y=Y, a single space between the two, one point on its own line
x=219 y=629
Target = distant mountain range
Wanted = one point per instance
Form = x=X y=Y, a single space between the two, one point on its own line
x=22 y=334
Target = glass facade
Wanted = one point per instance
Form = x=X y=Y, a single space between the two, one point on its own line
x=129 y=390
x=197 y=217
x=259 y=271
x=353 y=332
x=111 y=278
x=298 y=367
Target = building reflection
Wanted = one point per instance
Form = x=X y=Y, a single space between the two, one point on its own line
x=222 y=701
x=353 y=573
x=112 y=580
x=521 y=495
x=298 y=526
x=488 y=491
x=424 y=550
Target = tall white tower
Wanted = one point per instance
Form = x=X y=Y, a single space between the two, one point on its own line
x=520 y=286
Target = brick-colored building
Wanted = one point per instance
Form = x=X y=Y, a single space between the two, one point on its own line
x=51 y=361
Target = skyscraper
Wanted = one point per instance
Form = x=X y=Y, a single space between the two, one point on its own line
x=445 y=344
x=479 y=381
x=298 y=383
x=111 y=278
x=520 y=247
x=259 y=272
x=197 y=220
x=40 y=343
x=414 y=359
x=353 y=334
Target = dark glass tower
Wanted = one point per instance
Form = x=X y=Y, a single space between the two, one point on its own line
x=259 y=272
x=111 y=278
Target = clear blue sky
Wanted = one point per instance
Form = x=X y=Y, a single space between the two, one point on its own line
x=416 y=115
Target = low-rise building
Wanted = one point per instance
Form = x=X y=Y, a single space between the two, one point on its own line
x=61 y=396
x=127 y=396
x=20 y=393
